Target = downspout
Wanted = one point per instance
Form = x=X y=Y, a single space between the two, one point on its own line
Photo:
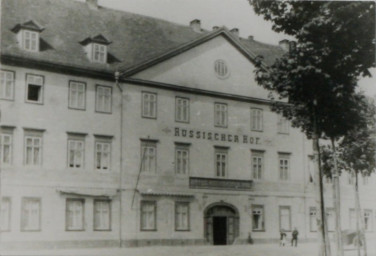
x=117 y=75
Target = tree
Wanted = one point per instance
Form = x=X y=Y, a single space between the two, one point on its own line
x=318 y=77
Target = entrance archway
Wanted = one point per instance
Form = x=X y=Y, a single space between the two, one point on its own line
x=221 y=223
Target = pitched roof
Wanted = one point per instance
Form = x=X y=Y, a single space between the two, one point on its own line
x=135 y=38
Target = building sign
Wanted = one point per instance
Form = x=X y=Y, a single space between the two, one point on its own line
x=196 y=182
x=216 y=136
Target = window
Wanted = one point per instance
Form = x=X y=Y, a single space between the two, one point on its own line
x=181 y=216
x=221 y=69
x=148 y=215
x=181 y=159
x=30 y=41
x=285 y=218
x=33 y=148
x=102 y=153
x=149 y=105
x=99 y=53
x=102 y=215
x=256 y=119
x=76 y=151
x=149 y=156
x=221 y=162
x=77 y=95
x=220 y=115
x=5 y=214
x=351 y=178
x=330 y=218
x=283 y=125
x=368 y=225
x=312 y=219
x=284 y=166
x=182 y=110
x=74 y=218
x=34 y=88
x=6 y=85
x=258 y=223
x=352 y=218
x=5 y=147
x=104 y=99
x=257 y=164
x=31 y=215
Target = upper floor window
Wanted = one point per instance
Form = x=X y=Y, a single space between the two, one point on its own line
x=149 y=156
x=149 y=105
x=77 y=95
x=283 y=125
x=102 y=152
x=34 y=88
x=104 y=99
x=181 y=158
x=284 y=166
x=6 y=85
x=30 y=215
x=6 y=146
x=351 y=178
x=220 y=115
x=76 y=150
x=96 y=48
x=182 y=110
x=256 y=119
x=30 y=40
x=33 y=147
x=257 y=164
x=221 y=69
x=221 y=162
x=28 y=35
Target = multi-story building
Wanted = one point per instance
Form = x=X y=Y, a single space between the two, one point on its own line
x=121 y=129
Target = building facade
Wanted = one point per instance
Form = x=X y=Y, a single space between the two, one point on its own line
x=132 y=131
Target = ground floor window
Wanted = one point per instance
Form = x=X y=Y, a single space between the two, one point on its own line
x=352 y=218
x=258 y=223
x=148 y=215
x=330 y=219
x=181 y=216
x=75 y=214
x=312 y=219
x=102 y=215
x=5 y=214
x=31 y=214
x=285 y=218
x=368 y=224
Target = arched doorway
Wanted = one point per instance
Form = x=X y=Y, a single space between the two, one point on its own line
x=221 y=223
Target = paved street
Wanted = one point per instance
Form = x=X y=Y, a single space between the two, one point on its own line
x=235 y=250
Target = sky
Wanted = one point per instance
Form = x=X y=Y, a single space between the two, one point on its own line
x=230 y=13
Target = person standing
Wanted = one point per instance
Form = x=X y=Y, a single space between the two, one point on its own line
x=294 y=238
x=282 y=241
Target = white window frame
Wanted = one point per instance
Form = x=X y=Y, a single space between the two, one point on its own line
x=34 y=137
x=281 y=208
x=148 y=217
x=31 y=214
x=30 y=40
x=182 y=109
x=99 y=53
x=330 y=219
x=102 y=148
x=368 y=213
x=257 y=165
x=6 y=145
x=36 y=81
x=102 y=215
x=76 y=147
x=103 y=99
x=283 y=125
x=258 y=209
x=7 y=82
x=312 y=219
x=284 y=166
x=257 y=119
x=221 y=162
x=352 y=219
x=182 y=159
x=77 y=95
x=220 y=115
x=75 y=222
x=182 y=216
x=148 y=156
x=149 y=105
x=5 y=214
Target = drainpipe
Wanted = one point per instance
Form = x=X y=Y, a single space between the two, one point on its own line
x=117 y=75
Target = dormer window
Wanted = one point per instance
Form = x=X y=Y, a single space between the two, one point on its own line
x=28 y=35
x=96 y=48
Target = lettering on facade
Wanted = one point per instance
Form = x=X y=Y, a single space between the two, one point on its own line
x=216 y=136
x=198 y=182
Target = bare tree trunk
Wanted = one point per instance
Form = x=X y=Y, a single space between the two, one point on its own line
x=337 y=202
x=357 y=210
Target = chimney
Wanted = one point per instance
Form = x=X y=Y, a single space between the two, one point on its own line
x=93 y=4
x=196 y=25
x=215 y=27
x=235 y=32
x=284 y=44
x=251 y=38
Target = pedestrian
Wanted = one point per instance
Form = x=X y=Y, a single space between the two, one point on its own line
x=295 y=234
x=282 y=241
